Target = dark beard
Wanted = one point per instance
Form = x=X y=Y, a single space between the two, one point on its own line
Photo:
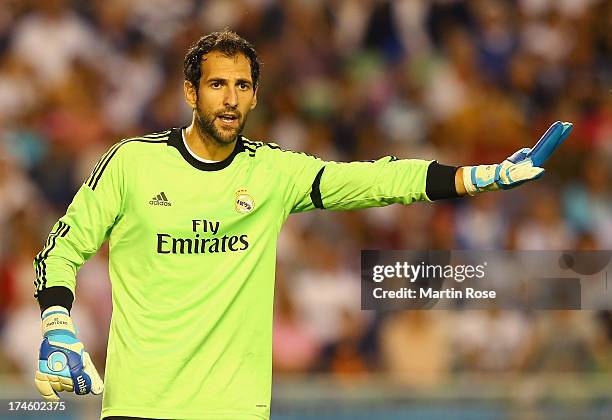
x=205 y=124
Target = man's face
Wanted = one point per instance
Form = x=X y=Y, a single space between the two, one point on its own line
x=225 y=96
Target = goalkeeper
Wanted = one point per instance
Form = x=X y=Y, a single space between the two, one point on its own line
x=192 y=216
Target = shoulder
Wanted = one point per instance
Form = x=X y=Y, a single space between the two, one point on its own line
x=146 y=139
x=126 y=150
x=134 y=147
x=268 y=149
x=258 y=148
x=139 y=144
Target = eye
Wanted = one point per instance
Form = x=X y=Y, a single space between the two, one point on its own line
x=215 y=85
x=243 y=86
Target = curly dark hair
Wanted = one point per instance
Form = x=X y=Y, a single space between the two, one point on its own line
x=228 y=43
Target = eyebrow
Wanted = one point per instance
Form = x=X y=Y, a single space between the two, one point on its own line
x=219 y=79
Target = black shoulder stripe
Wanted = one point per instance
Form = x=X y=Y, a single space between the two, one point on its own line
x=250 y=149
x=109 y=155
x=252 y=146
x=101 y=161
x=315 y=194
x=277 y=147
x=156 y=135
x=98 y=163
x=253 y=143
x=94 y=182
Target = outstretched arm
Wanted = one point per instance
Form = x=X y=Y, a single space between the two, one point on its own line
x=314 y=183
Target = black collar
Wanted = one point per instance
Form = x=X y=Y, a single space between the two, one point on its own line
x=176 y=140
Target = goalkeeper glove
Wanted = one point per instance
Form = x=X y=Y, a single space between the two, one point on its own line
x=63 y=365
x=522 y=166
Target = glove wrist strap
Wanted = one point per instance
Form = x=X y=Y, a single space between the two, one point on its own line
x=468 y=182
x=481 y=178
x=56 y=318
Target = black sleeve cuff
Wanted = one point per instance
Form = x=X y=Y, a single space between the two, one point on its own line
x=56 y=295
x=440 y=182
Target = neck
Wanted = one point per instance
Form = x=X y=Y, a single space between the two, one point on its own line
x=205 y=147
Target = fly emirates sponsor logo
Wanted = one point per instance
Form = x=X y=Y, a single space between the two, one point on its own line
x=169 y=244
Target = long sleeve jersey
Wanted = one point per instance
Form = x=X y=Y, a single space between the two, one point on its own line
x=192 y=262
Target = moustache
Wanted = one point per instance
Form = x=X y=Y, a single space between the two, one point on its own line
x=234 y=113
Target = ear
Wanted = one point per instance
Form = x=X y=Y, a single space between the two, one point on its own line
x=191 y=94
x=254 y=100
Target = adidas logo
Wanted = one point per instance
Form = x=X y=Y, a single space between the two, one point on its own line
x=160 y=200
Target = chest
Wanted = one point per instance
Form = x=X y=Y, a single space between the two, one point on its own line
x=181 y=200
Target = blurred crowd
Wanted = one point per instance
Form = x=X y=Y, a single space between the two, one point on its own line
x=463 y=82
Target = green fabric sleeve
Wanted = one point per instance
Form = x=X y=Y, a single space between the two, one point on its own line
x=81 y=231
x=357 y=185
x=314 y=183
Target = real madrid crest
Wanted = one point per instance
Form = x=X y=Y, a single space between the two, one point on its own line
x=243 y=203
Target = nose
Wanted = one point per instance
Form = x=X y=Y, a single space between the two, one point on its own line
x=231 y=97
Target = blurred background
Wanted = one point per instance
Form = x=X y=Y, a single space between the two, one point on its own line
x=464 y=82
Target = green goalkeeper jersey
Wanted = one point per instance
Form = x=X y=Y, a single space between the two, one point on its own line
x=192 y=259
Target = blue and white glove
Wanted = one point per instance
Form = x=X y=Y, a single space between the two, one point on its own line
x=63 y=365
x=524 y=165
